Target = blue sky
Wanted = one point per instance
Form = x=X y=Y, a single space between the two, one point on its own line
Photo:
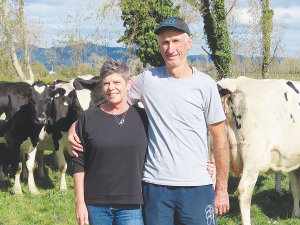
x=50 y=12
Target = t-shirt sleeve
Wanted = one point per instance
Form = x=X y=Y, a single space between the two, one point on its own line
x=136 y=90
x=78 y=163
x=214 y=112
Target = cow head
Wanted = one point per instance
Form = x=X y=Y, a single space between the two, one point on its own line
x=39 y=101
x=65 y=109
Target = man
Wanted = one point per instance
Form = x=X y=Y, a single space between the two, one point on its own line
x=181 y=103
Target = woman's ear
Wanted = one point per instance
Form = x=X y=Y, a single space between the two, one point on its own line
x=129 y=82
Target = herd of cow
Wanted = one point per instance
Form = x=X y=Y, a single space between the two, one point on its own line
x=37 y=117
x=263 y=122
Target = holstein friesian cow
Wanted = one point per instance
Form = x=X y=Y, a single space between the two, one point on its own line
x=70 y=100
x=12 y=96
x=22 y=130
x=263 y=126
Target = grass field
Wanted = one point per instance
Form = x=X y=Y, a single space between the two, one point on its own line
x=56 y=207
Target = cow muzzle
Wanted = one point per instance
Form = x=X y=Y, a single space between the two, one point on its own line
x=41 y=121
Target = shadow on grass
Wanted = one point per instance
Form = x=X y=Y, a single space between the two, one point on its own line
x=5 y=186
x=51 y=171
x=51 y=167
x=273 y=205
x=270 y=203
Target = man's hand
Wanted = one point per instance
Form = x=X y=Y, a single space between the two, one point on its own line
x=74 y=140
x=221 y=203
x=221 y=154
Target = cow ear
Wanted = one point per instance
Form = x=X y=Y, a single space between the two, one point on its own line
x=21 y=93
x=72 y=94
x=224 y=91
x=57 y=92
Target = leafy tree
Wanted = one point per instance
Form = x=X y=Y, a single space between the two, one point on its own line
x=52 y=64
x=10 y=42
x=215 y=28
x=141 y=18
x=39 y=70
x=18 y=36
x=74 y=39
x=263 y=36
x=135 y=65
x=267 y=29
x=24 y=40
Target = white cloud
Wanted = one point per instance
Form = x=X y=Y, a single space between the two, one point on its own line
x=289 y=16
x=50 y=11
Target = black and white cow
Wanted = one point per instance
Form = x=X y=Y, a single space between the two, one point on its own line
x=69 y=101
x=22 y=130
x=12 y=96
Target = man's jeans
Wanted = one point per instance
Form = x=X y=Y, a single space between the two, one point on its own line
x=115 y=215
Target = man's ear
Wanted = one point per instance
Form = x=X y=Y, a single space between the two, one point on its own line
x=190 y=42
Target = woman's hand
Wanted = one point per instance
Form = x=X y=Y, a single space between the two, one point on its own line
x=211 y=168
x=82 y=215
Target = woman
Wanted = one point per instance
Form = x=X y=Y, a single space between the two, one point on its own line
x=108 y=174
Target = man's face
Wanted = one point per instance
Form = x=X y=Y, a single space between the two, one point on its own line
x=173 y=46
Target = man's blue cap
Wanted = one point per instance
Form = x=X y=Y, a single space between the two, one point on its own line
x=175 y=22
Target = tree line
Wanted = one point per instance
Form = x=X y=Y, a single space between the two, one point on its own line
x=233 y=50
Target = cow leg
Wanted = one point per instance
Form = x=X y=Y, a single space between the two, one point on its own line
x=30 y=166
x=24 y=169
x=278 y=188
x=62 y=165
x=17 y=187
x=40 y=162
x=245 y=189
x=290 y=186
x=295 y=183
x=1 y=174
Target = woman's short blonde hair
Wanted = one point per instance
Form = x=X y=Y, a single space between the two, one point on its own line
x=111 y=66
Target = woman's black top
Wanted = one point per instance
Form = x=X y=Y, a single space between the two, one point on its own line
x=113 y=156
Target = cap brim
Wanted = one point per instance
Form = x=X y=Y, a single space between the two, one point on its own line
x=159 y=28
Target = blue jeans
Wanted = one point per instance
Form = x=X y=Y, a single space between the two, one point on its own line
x=115 y=215
x=174 y=205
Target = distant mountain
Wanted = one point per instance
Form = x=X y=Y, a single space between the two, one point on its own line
x=42 y=54
x=193 y=58
x=64 y=54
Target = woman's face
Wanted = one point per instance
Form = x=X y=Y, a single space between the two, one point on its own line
x=115 y=88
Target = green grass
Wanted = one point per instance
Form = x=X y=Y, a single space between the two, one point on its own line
x=267 y=206
x=46 y=80
x=53 y=206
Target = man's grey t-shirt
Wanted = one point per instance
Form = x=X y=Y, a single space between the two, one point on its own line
x=178 y=111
